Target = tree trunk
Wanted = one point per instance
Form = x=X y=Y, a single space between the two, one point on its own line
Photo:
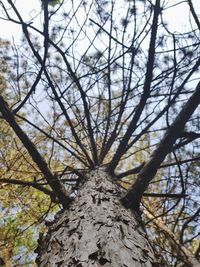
x=96 y=230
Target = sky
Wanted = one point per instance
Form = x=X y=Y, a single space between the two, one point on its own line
x=28 y=9
x=176 y=16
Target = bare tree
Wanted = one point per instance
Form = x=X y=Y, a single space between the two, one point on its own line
x=115 y=92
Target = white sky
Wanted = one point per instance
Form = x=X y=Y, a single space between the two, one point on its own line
x=28 y=9
x=177 y=16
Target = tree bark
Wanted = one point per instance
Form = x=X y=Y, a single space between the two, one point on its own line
x=96 y=230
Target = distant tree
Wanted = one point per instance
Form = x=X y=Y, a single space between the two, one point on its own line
x=103 y=97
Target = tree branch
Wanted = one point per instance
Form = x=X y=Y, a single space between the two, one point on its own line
x=29 y=184
x=164 y=195
x=54 y=182
x=182 y=251
x=146 y=92
x=133 y=197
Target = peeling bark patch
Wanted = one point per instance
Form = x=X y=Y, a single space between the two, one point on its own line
x=58 y=264
x=96 y=231
x=103 y=261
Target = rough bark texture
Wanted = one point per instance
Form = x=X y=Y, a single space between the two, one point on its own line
x=96 y=230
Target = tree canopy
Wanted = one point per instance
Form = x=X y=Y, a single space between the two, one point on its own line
x=101 y=84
